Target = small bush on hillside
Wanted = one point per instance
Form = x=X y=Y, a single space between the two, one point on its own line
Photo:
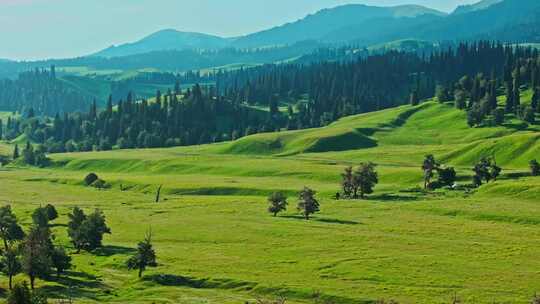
x=100 y=184
x=90 y=179
x=535 y=167
x=52 y=214
x=281 y=300
x=447 y=176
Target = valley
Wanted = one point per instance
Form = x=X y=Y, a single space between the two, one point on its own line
x=217 y=244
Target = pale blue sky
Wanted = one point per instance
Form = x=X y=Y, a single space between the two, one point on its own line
x=31 y=29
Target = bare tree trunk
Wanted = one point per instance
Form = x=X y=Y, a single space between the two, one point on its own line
x=158 y=193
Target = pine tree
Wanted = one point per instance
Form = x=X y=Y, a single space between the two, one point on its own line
x=16 y=152
x=145 y=256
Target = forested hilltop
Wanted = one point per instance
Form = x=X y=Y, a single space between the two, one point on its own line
x=296 y=96
x=40 y=91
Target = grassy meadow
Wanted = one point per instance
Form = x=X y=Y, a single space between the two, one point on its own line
x=216 y=243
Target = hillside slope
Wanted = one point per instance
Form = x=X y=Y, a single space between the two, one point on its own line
x=428 y=127
x=400 y=135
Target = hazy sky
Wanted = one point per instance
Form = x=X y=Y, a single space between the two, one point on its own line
x=31 y=29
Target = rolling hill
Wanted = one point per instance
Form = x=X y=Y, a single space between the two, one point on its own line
x=213 y=215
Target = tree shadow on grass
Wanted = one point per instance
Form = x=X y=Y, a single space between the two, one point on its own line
x=514 y=175
x=199 y=283
x=322 y=220
x=392 y=198
x=57 y=225
x=107 y=251
x=74 y=284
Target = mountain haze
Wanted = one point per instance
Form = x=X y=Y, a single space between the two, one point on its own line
x=321 y=25
x=166 y=40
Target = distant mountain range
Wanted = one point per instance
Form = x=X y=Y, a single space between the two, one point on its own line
x=366 y=25
x=166 y=40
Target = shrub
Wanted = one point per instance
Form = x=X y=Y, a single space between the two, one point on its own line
x=52 y=214
x=100 y=184
x=90 y=179
x=535 y=167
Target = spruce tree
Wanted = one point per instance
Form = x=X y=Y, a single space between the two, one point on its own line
x=144 y=257
x=16 y=152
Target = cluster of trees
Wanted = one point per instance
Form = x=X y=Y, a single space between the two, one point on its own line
x=307 y=203
x=321 y=92
x=486 y=170
x=35 y=253
x=362 y=180
x=121 y=88
x=41 y=91
x=446 y=176
x=334 y=89
x=477 y=93
x=31 y=156
x=176 y=118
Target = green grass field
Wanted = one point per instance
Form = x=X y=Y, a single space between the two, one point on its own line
x=217 y=244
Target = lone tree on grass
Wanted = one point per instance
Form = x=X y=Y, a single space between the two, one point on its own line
x=365 y=179
x=278 y=203
x=10 y=230
x=307 y=203
x=36 y=261
x=535 y=167
x=429 y=166
x=86 y=232
x=145 y=256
